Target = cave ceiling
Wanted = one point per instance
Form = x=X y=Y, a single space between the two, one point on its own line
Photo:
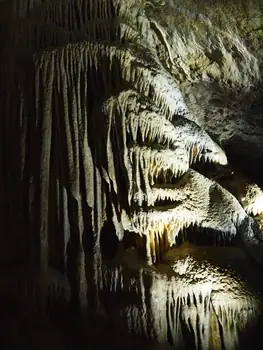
x=132 y=143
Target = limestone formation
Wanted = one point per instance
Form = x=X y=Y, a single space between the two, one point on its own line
x=106 y=109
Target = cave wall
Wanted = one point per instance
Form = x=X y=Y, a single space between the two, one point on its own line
x=75 y=75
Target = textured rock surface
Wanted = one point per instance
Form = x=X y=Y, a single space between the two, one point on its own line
x=182 y=299
x=106 y=107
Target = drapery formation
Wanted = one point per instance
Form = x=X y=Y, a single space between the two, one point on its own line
x=97 y=141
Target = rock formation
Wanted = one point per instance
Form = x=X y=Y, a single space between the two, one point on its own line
x=108 y=107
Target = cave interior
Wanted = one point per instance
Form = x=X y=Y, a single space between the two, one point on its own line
x=131 y=178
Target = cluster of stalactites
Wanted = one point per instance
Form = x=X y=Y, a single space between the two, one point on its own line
x=158 y=147
x=56 y=23
x=175 y=153
x=150 y=145
x=197 y=299
x=159 y=151
x=192 y=200
x=62 y=70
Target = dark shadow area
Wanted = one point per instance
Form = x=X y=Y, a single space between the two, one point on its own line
x=204 y=237
x=109 y=242
x=246 y=157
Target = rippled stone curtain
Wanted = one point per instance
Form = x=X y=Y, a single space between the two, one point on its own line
x=52 y=202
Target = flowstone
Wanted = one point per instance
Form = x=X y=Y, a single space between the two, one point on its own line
x=193 y=299
x=107 y=108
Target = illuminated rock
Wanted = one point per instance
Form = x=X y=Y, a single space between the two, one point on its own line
x=187 y=300
x=105 y=109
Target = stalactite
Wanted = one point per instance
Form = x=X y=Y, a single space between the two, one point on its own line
x=185 y=210
x=102 y=133
x=175 y=311
x=45 y=149
x=73 y=14
x=21 y=9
